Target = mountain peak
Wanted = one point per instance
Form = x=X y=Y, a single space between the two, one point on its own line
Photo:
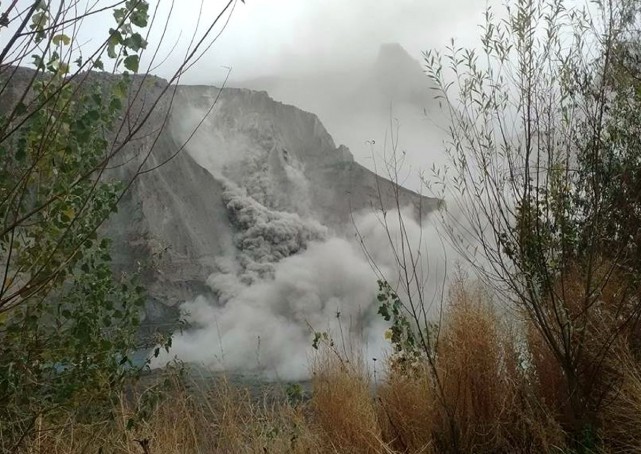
x=393 y=52
x=399 y=76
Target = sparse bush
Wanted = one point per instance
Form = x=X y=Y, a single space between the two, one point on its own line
x=342 y=403
x=541 y=168
x=67 y=322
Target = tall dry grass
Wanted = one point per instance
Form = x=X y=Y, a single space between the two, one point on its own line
x=621 y=418
x=475 y=371
x=494 y=388
x=408 y=411
x=477 y=397
x=190 y=418
x=343 y=405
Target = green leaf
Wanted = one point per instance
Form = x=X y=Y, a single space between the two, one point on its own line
x=119 y=14
x=140 y=14
x=93 y=115
x=62 y=38
x=115 y=104
x=384 y=311
x=63 y=68
x=21 y=152
x=38 y=21
x=20 y=108
x=131 y=63
x=115 y=39
x=38 y=61
x=136 y=42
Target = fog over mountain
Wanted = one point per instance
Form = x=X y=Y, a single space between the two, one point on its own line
x=248 y=232
x=384 y=106
x=325 y=56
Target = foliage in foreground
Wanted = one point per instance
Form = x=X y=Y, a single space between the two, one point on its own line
x=544 y=162
x=499 y=395
x=68 y=323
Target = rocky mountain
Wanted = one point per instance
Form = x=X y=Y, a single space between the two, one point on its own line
x=393 y=77
x=399 y=77
x=233 y=182
x=257 y=181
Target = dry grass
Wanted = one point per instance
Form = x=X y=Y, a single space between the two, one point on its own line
x=500 y=391
x=220 y=419
x=343 y=405
x=489 y=405
x=408 y=412
x=622 y=417
x=474 y=371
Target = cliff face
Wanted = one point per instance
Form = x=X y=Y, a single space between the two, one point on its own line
x=281 y=155
x=256 y=182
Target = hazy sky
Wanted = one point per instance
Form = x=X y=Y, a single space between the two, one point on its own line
x=266 y=37
x=285 y=37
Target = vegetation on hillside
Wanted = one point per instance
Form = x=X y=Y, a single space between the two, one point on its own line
x=67 y=323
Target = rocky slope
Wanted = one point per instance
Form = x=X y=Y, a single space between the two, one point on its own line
x=257 y=181
x=242 y=186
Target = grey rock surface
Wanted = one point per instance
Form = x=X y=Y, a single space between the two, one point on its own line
x=237 y=188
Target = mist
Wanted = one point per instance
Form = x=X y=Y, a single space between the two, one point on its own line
x=321 y=55
x=288 y=37
x=266 y=326
x=318 y=55
x=293 y=275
